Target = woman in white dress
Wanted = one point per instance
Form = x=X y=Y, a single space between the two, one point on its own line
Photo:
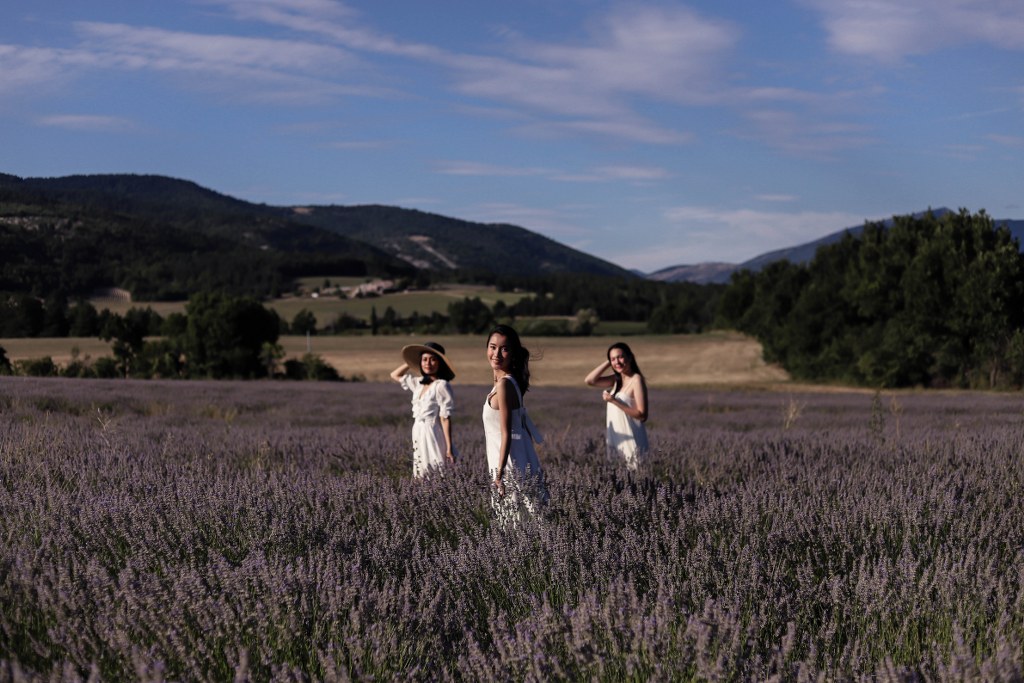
x=518 y=490
x=432 y=405
x=625 y=393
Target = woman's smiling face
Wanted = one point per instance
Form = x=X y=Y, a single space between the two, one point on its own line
x=619 y=361
x=498 y=353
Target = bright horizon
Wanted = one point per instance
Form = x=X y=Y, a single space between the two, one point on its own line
x=649 y=134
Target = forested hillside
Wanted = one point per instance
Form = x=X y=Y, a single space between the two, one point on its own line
x=162 y=238
x=438 y=242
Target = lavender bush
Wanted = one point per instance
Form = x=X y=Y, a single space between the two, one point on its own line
x=270 y=531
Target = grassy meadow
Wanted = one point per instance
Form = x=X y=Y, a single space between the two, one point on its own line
x=168 y=530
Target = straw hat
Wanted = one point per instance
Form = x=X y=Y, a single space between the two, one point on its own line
x=411 y=354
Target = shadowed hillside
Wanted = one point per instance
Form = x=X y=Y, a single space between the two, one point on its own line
x=165 y=238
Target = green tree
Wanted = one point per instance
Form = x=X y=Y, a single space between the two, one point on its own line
x=470 y=316
x=926 y=300
x=83 y=320
x=304 y=322
x=270 y=355
x=226 y=334
x=37 y=367
x=55 y=316
x=21 y=315
x=583 y=324
x=310 y=367
x=127 y=335
x=174 y=325
x=161 y=358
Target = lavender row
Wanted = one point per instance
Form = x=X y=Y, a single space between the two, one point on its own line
x=210 y=530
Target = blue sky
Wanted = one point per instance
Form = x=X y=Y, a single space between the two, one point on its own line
x=649 y=134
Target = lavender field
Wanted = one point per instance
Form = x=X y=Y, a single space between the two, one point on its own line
x=271 y=531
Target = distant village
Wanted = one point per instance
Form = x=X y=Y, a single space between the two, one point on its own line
x=361 y=291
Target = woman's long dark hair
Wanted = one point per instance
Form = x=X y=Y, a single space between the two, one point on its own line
x=627 y=353
x=518 y=355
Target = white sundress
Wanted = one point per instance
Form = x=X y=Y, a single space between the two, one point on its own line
x=626 y=438
x=428 y=442
x=523 y=478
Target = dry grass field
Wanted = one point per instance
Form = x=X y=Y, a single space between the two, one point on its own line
x=666 y=360
x=719 y=358
x=60 y=349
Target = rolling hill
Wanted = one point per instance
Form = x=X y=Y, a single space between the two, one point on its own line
x=165 y=238
x=432 y=241
x=705 y=273
x=435 y=242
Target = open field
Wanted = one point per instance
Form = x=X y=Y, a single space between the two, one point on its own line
x=314 y=281
x=167 y=530
x=667 y=360
x=328 y=308
x=60 y=349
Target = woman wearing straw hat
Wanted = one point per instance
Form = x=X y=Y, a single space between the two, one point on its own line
x=432 y=405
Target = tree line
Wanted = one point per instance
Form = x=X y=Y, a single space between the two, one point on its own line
x=581 y=300
x=927 y=301
x=219 y=336
x=921 y=301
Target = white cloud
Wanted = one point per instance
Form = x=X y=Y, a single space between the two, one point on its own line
x=599 y=86
x=254 y=68
x=640 y=55
x=473 y=168
x=333 y=20
x=623 y=128
x=362 y=144
x=596 y=87
x=795 y=134
x=26 y=69
x=665 y=54
x=1007 y=140
x=888 y=30
x=162 y=49
x=637 y=174
x=86 y=122
x=776 y=197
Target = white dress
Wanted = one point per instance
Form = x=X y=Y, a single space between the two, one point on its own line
x=428 y=442
x=525 y=491
x=626 y=438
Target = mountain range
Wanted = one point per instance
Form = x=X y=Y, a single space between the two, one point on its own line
x=718 y=273
x=165 y=238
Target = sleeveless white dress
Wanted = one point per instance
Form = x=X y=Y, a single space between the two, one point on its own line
x=428 y=443
x=525 y=491
x=626 y=438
